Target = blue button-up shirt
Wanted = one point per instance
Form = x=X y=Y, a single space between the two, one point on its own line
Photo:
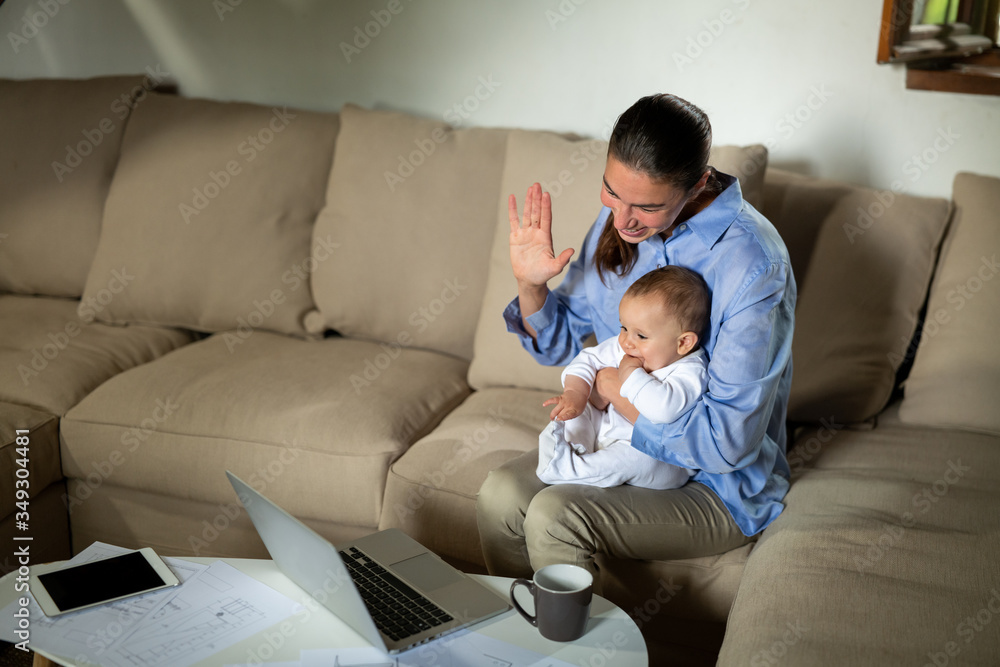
x=735 y=435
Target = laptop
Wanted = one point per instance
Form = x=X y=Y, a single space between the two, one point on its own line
x=387 y=587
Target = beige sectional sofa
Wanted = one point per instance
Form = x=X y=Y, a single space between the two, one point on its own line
x=314 y=301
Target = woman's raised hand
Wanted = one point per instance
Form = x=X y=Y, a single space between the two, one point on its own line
x=531 y=254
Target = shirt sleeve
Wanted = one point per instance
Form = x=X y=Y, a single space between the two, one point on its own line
x=564 y=321
x=664 y=401
x=725 y=429
x=606 y=354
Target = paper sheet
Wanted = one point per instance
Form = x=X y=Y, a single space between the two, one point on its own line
x=214 y=610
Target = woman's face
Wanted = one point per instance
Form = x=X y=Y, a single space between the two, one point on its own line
x=642 y=207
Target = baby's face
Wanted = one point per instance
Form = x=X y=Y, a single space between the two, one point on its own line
x=649 y=332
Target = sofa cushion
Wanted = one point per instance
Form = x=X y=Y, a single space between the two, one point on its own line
x=58 y=148
x=886 y=546
x=955 y=379
x=412 y=204
x=174 y=526
x=436 y=482
x=37 y=453
x=861 y=294
x=49 y=359
x=313 y=424
x=208 y=223
x=571 y=171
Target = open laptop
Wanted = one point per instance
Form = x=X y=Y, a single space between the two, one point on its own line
x=387 y=587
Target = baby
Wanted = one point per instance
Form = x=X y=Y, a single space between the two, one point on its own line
x=663 y=372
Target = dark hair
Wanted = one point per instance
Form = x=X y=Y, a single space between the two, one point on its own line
x=666 y=138
x=684 y=293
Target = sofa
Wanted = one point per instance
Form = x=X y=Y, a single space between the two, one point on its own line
x=313 y=301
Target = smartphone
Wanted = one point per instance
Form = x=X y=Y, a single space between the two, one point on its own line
x=59 y=589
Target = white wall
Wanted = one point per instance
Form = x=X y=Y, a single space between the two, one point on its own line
x=568 y=65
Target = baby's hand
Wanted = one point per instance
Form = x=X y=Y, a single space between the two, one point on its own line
x=569 y=404
x=626 y=366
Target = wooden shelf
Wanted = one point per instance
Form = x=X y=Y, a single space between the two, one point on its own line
x=975 y=75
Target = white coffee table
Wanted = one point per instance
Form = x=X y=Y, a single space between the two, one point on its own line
x=612 y=636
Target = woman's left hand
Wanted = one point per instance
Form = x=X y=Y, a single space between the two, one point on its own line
x=607 y=386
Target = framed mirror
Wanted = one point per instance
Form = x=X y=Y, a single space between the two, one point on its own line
x=914 y=30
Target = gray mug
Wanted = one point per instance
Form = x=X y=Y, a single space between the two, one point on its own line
x=562 y=596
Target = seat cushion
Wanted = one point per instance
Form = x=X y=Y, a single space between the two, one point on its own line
x=887 y=544
x=955 y=379
x=58 y=148
x=49 y=359
x=436 y=482
x=174 y=526
x=312 y=424
x=209 y=219
x=430 y=190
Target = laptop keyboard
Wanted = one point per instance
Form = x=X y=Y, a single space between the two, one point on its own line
x=398 y=610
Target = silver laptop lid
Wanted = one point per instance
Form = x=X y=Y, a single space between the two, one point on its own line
x=309 y=560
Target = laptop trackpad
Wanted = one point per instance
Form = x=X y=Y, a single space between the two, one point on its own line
x=426 y=571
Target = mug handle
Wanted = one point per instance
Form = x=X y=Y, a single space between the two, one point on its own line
x=531 y=589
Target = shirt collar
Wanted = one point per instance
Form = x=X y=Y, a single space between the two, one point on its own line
x=711 y=223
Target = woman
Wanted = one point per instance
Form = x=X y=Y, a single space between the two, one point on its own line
x=663 y=205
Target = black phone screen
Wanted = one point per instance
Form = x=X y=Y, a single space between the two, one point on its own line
x=106 y=579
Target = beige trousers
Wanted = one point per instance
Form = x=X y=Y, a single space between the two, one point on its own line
x=525 y=525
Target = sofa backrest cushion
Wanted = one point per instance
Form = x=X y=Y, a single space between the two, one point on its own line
x=861 y=289
x=955 y=379
x=58 y=148
x=410 y=208
x=208 y=224
x=571 y=170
